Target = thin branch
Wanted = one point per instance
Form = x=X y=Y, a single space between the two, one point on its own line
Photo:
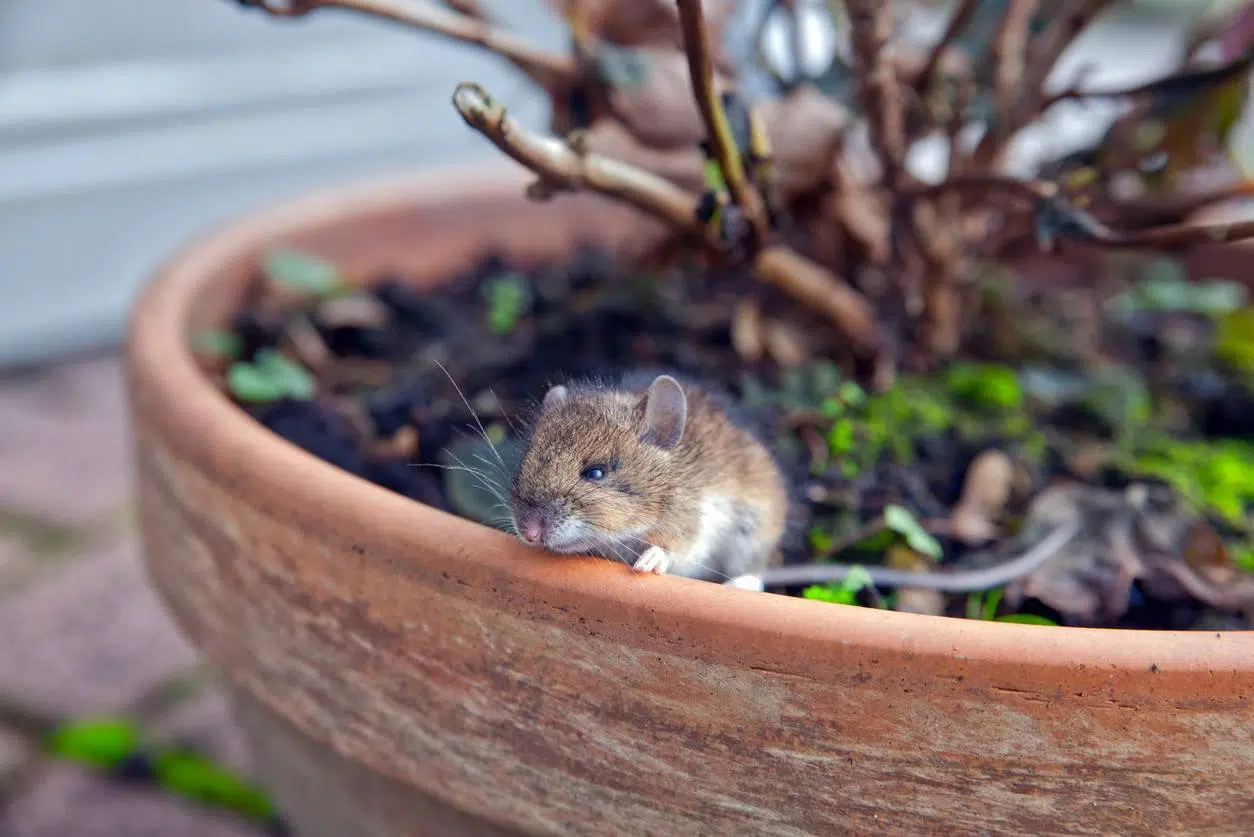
x=1175 y=86
x=1080 y=226
x=1042 y=55
x=722 y=143
x=561 y=167
x=879 y=90
x=552 y=71
x=957 y=23
x=1009 y=50
x=983 y=184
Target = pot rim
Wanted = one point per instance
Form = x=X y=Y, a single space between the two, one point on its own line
x=203 y=425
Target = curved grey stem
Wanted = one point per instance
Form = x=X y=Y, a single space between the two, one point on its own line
x=962 y=581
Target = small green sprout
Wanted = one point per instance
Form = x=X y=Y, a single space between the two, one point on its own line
x=901 y=521
x=217 y=343
x=270 y=377
x=985 y=386
x=843 y=592
x=303 y=272
x=508 y=300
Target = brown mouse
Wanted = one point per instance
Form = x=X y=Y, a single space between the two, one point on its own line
x=651 y=472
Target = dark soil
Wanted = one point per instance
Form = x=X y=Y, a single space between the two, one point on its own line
x=1124 y=381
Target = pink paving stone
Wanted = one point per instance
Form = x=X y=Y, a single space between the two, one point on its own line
x=92 y=637
x=71 y=803
x=64 y=441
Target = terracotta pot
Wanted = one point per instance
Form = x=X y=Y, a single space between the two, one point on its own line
x=406 y=672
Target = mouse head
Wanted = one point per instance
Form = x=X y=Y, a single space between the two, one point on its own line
x=598 y=470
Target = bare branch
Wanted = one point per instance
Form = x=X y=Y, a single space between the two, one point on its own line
x=722 y=143
x=1080 y=226
x=552 y=71
x=1009 y=49
x=1181 y=85
x=871 y=25
x=561 y=167
x=1042 y=55
x=983 y=185
x=962 y=16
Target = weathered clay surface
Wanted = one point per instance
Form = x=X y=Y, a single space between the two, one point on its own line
x=569 y=697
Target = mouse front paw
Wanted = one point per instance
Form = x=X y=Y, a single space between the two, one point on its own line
x=653 y=560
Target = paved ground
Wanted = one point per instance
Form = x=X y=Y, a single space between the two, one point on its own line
x=82 y=630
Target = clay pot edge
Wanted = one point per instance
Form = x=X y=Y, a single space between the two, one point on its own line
x=203 y=426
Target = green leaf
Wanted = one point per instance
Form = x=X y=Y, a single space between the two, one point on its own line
x=99 y=742
x=992 y=599
x=303 y=272
x=901 y=521
x=271 y=377
x=509 y=297
x=217 y=343
x=1026 y=619
x=843 y=592
x=199 y=779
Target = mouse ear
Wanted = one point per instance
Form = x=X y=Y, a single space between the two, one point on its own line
x=665 y=412
x=554 y=395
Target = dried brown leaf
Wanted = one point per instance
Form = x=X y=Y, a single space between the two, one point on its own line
x=984 y=494
x=1141 y=534
x=746 y=330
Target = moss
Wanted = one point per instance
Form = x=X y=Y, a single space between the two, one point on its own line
x=989 y=387
x=1216 y=475
x=1234 y=340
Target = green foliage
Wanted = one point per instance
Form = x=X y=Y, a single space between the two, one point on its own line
x=983 y=605
x=509 y=298
x=270 y=377
x=217 y=343
x=901 y=521
x=99 y=742
x=1243 y=557
x=197 y=778
x=1026 y=619
x=1234 y=341
x=107 y=743
x=985 y=386
x=1217 y=476
x=303 y=272
x=843 y=592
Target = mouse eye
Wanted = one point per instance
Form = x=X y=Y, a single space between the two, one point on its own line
x=594 y=473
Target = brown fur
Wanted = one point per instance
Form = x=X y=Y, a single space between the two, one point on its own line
x=649 y=489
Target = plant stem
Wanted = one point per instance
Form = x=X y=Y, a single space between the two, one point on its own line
x=722 y=143
x=562 y=168
x=552 y=71
x=962 y=16
x=871 y=24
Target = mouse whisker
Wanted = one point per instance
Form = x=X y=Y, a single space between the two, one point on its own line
x=488 y=485
x=482 y=431
x=504 y=414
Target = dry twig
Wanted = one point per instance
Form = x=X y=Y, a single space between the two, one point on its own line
x=552 y=71
x=562 y=168
x=962 y=16
x=722 y=143
x=879 y=89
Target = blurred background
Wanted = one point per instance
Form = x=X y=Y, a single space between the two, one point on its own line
x=125 y=128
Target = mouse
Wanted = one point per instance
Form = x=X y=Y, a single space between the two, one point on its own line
x=653 y=472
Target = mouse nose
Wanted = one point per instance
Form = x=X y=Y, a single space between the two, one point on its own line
x=531 y=527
